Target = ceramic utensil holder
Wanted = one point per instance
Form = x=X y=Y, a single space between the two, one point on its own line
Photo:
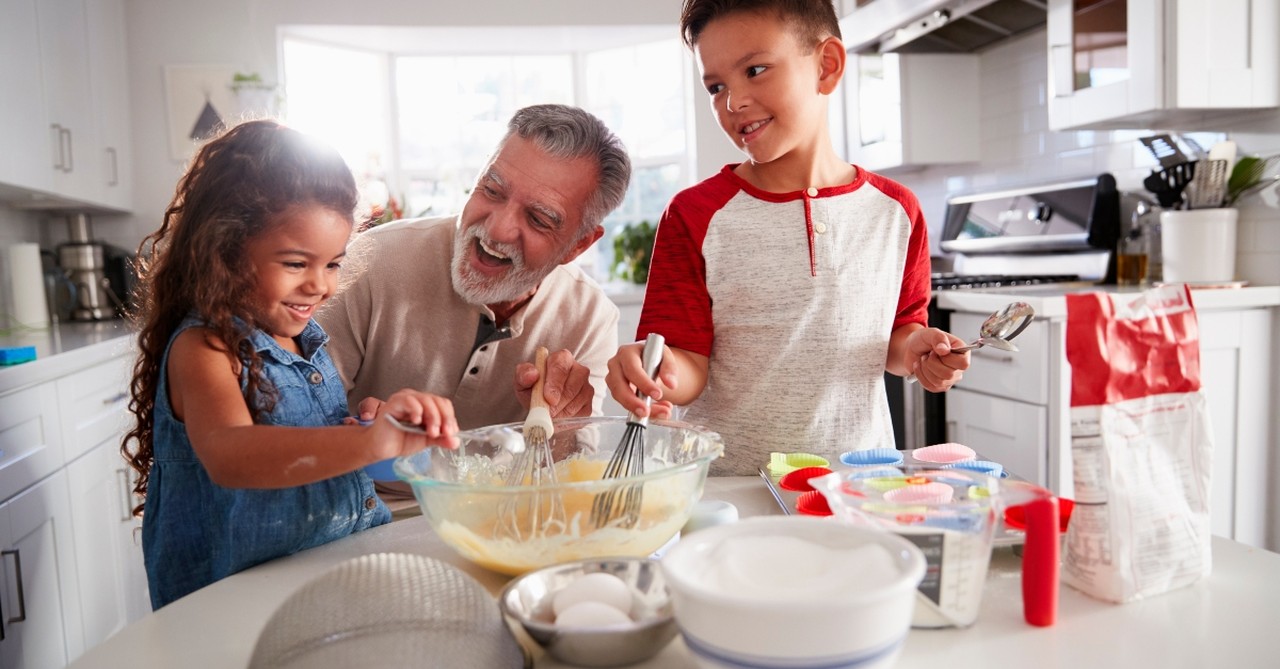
x=1198 y=245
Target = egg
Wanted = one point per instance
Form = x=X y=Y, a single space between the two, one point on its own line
x=598 y=587
x=592 y=614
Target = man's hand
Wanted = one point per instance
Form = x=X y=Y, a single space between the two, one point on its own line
x=567 y=388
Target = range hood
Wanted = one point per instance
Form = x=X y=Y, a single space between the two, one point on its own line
x=937 y=26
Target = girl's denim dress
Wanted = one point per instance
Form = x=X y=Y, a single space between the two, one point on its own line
x=195 y=532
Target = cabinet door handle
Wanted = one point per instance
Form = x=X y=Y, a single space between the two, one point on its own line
x=994 y=357
x=70 y=151
x=123 y=475
x=115 y=167
x=17 y=570
x=115 y=398
x=57 y=137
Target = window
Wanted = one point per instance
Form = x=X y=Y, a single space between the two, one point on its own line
x=420 y=126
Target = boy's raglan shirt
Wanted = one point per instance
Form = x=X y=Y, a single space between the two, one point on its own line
x=793 y=297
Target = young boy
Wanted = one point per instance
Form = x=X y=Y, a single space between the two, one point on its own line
x=785 y=285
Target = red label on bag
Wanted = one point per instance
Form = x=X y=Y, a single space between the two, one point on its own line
x=1127 y=347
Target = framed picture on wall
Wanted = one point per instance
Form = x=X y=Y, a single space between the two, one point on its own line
x=199 y=100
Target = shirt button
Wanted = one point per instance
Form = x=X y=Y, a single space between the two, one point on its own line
x=812 y=192
x=369 y=503
x=475 y=370
x=484 y=348
x=820 y=227
x=315 y=378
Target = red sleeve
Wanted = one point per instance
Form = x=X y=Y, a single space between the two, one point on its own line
x=676 y=302
x=913 y=297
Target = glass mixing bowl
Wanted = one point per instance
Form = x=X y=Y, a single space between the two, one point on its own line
x=464 y=496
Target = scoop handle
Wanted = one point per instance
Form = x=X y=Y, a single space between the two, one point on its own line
x=1040 y=562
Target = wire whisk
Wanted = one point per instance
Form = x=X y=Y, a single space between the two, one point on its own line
x=622 y=503
x=539 y=509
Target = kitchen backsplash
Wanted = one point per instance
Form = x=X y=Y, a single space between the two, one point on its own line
x=1018 y=148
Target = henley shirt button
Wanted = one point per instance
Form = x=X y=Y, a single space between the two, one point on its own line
x=484 y=348
x=812 y=192
x=315 y=378
x=820 y=227
x=369 y=503
x=475 y=370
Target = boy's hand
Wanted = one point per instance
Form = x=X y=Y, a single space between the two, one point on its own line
x=432 y=412
x=929 y=357
x=626 y=377
x=365 y=412
x=567 y=389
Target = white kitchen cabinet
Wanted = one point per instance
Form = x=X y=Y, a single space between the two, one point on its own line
x=93 y=405
x=64 y=64
x=1159 y=63
x=109 y=84
x=911 y=110
x=108 y=550
x=39 y=589
x=64 y=127
x=25 y=152
x=30 y=442
x=1001 y=430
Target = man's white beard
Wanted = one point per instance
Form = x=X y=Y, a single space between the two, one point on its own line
x=478 y=289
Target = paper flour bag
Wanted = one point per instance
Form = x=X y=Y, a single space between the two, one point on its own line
x=1140 y=445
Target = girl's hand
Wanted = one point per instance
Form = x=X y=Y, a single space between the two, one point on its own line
x=432 y=412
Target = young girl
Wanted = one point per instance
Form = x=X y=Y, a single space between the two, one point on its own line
x=242 y=447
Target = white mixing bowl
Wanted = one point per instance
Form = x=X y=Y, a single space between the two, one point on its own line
x=793 y=591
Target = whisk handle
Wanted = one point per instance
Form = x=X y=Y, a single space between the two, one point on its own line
x=651 y=359
x=539 y=413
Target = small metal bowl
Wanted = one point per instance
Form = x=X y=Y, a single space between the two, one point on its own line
x=526 y=601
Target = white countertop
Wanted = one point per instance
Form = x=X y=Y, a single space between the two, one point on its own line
x=1049 y=301
x=63 y=348
x=1225 y=620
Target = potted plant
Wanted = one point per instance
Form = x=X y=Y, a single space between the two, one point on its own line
x=632 y=248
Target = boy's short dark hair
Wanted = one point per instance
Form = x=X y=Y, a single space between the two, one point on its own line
x=813 y=20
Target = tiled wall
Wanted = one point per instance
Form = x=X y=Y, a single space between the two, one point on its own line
x=1018 y=148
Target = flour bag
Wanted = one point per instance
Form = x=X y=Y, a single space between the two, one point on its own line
x=1141 y=445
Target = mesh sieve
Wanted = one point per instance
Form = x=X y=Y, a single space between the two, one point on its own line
x=389 y=609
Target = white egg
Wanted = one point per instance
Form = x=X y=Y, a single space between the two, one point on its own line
x=596 y=587
x=592 y=614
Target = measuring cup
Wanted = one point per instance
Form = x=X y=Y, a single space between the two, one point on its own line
x=952 y=515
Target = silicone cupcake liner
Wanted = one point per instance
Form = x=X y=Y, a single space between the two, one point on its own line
x=981 y=466
x=873 y=456
x=781 y=464
x=798 y=480
x=930 y=492
x=944 y=453
x=873 y=472
x=812 y=503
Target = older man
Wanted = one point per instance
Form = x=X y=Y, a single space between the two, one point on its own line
x=457 y=305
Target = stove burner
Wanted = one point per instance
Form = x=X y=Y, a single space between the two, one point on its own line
x=962 y=281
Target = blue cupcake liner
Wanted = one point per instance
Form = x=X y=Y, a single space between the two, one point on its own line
x=873 y=456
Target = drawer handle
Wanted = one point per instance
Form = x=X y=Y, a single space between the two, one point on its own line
x=115 y=398
x=123 y=475
x=17 y=570
x=994 y=357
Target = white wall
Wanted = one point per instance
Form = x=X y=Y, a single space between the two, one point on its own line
x=1018 y=148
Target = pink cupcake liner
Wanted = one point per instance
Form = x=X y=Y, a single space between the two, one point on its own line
x=921 y=493
x=944 y=453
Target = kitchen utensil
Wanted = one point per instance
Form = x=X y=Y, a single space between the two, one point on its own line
x=1208 y=188
x=462 y=492
x=773 y=490
x=1164 y=150
x=628 y=457
x=527 y=602
x=772 y=591
x=1224 y=150
x=998 y=329
x=1199 y=245
x=542 y=512
x=955 y=530
x=395 y=607
x=1167 y=184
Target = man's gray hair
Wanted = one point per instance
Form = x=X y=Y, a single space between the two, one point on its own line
x=569 y=132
